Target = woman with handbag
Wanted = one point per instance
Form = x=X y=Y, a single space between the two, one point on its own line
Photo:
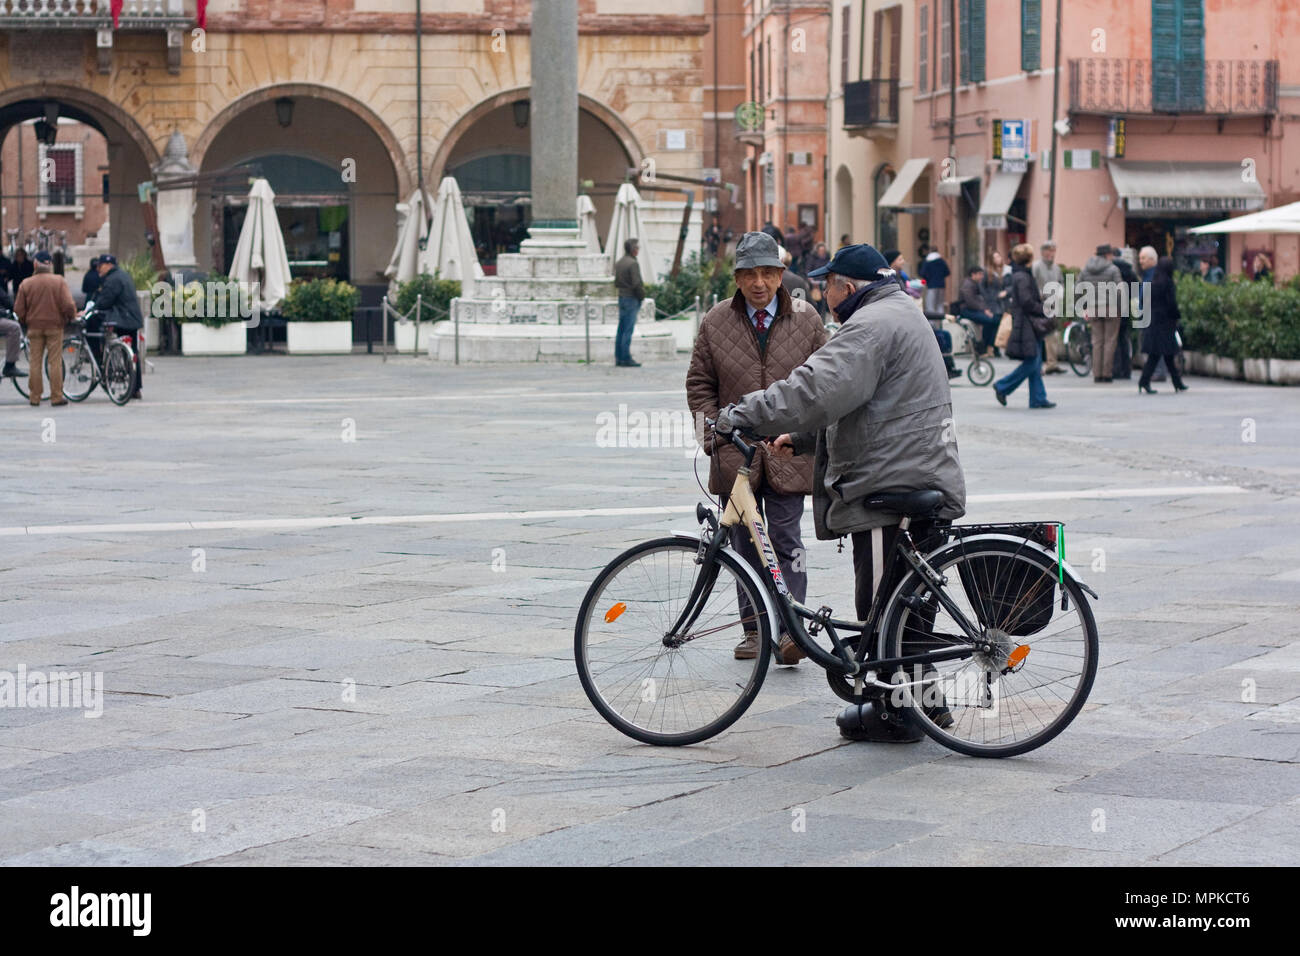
x=1029 y=326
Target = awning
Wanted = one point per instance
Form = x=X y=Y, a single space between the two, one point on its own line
x=901 y=188
x=968 y=168
x=997 y=200
x=1166 y=187
x=1282 y=219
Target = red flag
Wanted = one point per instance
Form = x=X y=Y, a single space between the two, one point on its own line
x=202 y=14
x=117 y=11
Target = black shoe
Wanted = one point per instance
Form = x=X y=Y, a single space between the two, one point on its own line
x=878 y=724
x=1146 y=388
x=1180 y=388
x=1044 y=405
x=11 y=371
x=954 y=373
x=628 y=364
x=1002 y=399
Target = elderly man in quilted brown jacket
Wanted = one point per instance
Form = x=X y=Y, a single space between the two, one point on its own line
x=744 y=345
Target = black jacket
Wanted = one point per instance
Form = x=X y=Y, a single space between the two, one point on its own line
x=1158 y=337
x=1025 y=303
x=117 y=301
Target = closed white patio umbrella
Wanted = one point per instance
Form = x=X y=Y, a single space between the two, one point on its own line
x=450 y=253
x=405 y=262
x=626 y=224
x=259 y=255
x=587 y=224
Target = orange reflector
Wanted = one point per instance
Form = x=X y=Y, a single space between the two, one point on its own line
x=613 y=613
x=1018 y=655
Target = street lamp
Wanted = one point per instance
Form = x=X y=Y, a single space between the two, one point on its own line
x=284 y=111
x=520 y=108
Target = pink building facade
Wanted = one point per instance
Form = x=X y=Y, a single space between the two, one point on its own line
x=1169 y=114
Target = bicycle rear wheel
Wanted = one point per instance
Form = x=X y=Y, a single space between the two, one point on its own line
x=24 y=365
x=1035 y=682
x=80 y=373
x=119 y=372
x=684 y=691
x=1080 y=352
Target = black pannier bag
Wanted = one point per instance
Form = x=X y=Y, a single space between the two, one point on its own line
x=1012 y=596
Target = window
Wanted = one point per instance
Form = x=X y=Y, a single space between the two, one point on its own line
x=761 y=97
x=846 y=14
x=60 y=180
x=923 y=55
x=1031 y=35
x=770 y=87
x=972 y=41
x=945 y=42
x=1178 y=55
x=888 y=27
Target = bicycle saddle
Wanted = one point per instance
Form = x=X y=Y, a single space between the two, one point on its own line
x=910 y=503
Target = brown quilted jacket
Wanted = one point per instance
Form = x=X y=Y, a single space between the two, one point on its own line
x=726 y=365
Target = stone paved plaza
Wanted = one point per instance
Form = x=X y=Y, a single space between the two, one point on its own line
x=325 y=639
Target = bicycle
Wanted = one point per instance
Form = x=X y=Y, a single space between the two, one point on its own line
x=965 y=337
x=654 y=636
x=1078 y=346
x=82 y=371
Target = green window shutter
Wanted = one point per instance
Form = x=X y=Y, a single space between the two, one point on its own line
x=963 y=39
x=977 y=40
x=1191 y=56
x=1031 y=34
x=1164 y=54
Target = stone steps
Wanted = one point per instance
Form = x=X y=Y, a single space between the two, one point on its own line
x=509 y=311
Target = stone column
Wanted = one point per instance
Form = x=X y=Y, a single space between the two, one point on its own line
x=553 y=51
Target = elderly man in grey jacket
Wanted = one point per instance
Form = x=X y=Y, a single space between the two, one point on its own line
x=875 y=403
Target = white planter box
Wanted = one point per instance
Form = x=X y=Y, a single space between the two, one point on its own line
x=1227 y=367
x=404 y=336
x=1284 y=371
x=199 y=339
x=1256 y=370
x=318 y=338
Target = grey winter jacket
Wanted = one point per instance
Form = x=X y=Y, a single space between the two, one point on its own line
x=1095 y=277
x=876 y=396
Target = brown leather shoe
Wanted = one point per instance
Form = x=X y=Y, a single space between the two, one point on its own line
x=747 y=649
x=788 y=652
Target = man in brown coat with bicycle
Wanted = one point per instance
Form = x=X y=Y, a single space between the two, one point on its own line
x=45 y=306
x=758 y=337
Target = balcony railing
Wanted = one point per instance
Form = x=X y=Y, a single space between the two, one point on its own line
x=1211 y=87
x=88 y=14
x=870 y=103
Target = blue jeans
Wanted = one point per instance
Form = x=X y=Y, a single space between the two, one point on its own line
x=1032 y=369
x=627 y=310
x=988 y=326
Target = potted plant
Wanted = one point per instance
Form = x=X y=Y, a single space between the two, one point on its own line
x=209 y=315
x=144 y=275
x=318 y=314
x=434 y=296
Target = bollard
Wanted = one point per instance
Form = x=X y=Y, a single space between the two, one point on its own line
x=419 y=301
x=697 y=316
x=383 y=317
x=586 y=318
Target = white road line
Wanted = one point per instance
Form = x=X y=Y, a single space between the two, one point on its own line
x=339 y=521
x=529 y=396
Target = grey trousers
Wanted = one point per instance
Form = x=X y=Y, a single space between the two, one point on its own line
x=13 y=334
x=781 y=515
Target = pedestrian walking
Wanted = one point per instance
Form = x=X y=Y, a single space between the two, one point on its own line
x=1097 y=280
x=996 y=284
x=1263 y=268
x=631 y=291
x=1029 y=326
x=1123 y=364
x=91 y=280
x=793 y=283
x=1046 y=271
x=1210 y=270
x=1159 y=339
x=758 y=337
x=934 y=273
x=45 y=306
x=21 y=268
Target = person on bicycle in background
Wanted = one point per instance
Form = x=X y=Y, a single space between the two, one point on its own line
x=12 y=333
x=875 y=404
x=45 y=306
x=116 y=301
x=759 y=335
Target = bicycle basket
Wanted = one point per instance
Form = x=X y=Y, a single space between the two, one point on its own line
x=1012 y=596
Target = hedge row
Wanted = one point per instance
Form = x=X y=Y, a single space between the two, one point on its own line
x=1240 y=319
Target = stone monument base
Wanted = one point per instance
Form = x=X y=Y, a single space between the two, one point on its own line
x=652 y=342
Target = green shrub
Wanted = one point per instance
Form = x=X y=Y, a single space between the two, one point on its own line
x=1240 y=318
x=141 y=269
x=696 y=277
x=320 y=300
x=436 y=295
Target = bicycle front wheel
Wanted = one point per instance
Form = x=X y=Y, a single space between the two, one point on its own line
x=1080 y=353
x=119 y=372
x=24 y=365
x=980 y=371
x=80 y=373
x=654 y=688
x=1036 y=680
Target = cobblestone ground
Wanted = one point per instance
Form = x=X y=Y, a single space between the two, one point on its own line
x=323 y=638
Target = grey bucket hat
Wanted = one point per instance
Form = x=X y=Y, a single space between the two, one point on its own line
x=757 y=249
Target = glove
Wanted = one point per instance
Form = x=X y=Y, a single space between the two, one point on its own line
x=724 y=425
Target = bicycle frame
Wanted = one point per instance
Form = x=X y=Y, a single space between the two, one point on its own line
x=742 y=508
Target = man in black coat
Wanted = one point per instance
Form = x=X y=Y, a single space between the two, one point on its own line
x=1123 y=366
x=117 y=302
